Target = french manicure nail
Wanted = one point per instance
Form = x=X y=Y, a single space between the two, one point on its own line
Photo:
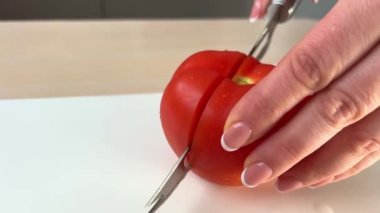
x=252 y=19
x=235 y=136
x=255 y=174
x=255 y=12
x=288 y=183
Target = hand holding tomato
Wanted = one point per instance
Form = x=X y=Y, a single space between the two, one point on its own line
x=336 y=134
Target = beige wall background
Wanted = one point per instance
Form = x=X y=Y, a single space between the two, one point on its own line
x=89 y=9
x=75 y=58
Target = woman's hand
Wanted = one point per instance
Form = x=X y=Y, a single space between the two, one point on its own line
x=337 y=133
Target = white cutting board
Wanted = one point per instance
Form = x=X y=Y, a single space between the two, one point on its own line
x=108 y=154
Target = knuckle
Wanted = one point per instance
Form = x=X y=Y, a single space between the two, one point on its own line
x=374 y=156
x=307 y=69
x=356 y=169
x=363 y=144
x=290 y=153
x=264 y=103
x=372 y=145
x=257 y=101
x=338 y=108
x=342 y=176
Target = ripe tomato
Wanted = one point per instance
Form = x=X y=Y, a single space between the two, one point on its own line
x=195 y=106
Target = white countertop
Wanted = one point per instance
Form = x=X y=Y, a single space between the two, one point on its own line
x=108 y=154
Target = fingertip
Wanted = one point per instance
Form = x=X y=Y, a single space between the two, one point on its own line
x=259 y=9
x=255 y=11
x=321 y=183
x=256 y=174
x=288 y=184
x=235 y=136
x=225 y=146
x=244 y=181
x=252 y=19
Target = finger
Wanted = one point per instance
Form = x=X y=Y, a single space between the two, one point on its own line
x=322 y=183
x=259 y=9
x=356 y=169
x=363 y=164
x=346 y=101
x=333 y=46
x=341 y=153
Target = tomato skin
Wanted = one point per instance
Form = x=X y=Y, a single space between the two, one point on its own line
x=182 y=104
x=188 y=91
x=195 y=106
x=206 y=157
x=225 y=63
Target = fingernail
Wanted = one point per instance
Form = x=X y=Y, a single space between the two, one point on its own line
x=288 y=183
x=255 y=12
x=255 y=174
x=321 y=183
x=235 y=136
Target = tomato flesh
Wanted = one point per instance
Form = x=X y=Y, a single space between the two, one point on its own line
x=251 y=71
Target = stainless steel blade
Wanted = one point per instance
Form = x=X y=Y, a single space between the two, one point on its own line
x=170 y=183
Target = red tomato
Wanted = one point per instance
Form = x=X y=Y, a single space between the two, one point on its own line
x=195 y=106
